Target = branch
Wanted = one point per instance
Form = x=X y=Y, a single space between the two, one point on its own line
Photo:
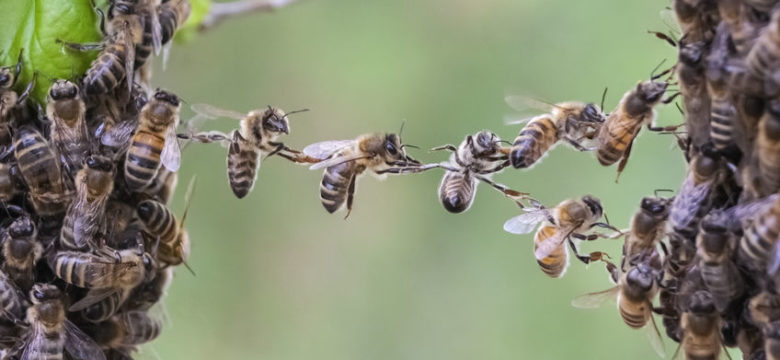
x=222 y=11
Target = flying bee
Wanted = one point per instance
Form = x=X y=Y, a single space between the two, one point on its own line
x=635 y=109
x=570 y=121
x=21 y=251
x=635 y=291
x=701 y=324
x=476 y=158
x=254 y=140
x=85 y=217
x=346 y=160
x=128 y=329
x=714 y=247
x=767 y=149
x=51 y=333
x=694 y=198
x=66 y=109
x=154 y=142
x=40 y=170
x=570 y=219
x=648 y=228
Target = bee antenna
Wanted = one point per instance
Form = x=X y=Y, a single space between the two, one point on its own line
x=409 y=146
x=603 y=97
x=503 y=142
x=189 y=268
x=294 y=112
x=656 y=191
x=606 y=218
x=400 y=132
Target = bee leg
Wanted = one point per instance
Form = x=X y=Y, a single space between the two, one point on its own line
x=670 y=128
x=448 y=147
x=624 y=160
x=575 y=144
x=608 y=226
x=18 y=67
x=275 y=151
x=82 y=47
x=350 y=195
x=26 y=93
x=408 y=169
x=594 y=256
x=495 y=169
x=503 y=188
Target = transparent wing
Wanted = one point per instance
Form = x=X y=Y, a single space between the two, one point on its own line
x=34 y=347
x=215 y=112
x=156 y=28
x=654 y=336
x=325 y=149
x=93 y=296
x=79 y=345
x=595 y=299
x=525 y=223
x=171 y=154
x=735 y=216
x=118 y=135
x=527 y=103
x=129 y=58
x=774 y=262
x=518 y=121
x=547 y=246
x=337 y=161
x=686 y=204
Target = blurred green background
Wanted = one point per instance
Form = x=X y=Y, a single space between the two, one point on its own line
x=279 y=278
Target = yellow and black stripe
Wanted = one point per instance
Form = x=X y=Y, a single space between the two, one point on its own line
x=555 y=264
x=335 y=185
x=143 y=159
x=534 y=140
x=723 y=115
x=159 y=221
x=456 y=191
x=614 y=138
x=105 y=72
x=243 y=159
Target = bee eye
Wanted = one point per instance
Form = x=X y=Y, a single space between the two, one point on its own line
x=390 y=147
x=38 y=294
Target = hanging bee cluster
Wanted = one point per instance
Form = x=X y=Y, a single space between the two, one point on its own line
x=88 y=242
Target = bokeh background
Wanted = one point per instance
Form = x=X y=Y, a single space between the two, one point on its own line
x=279 y=278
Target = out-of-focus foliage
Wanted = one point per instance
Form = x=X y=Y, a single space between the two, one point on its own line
x=199 y=10
x=34 y=26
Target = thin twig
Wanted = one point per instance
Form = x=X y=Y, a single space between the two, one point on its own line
x=221 y=11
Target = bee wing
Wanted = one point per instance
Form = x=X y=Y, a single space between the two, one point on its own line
x=686 y=204
x=525 y=223
x=171 y=154
x=735 y=215
x=129 y=58
x=337 y=161
x=595 y=299
x=93 y=296
x=518 y=121
x=119 y=135
x=211 y=111
x=156 y=28
x=546 y=247
x=526 y=103
x=79 y=345
x=33 y=347
x=774 y=262
x=654 y=336
x=325 y=149
x=670 y=20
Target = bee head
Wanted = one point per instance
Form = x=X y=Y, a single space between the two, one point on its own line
x=640 y=278
x=651 y=91
x=772 y=331
x=22 y=227
x=594 y=205
x=275 y=121
x=691 y=53
x=485 y=143
x=41 y=293
x=592 y=113
x=125 y=7
x=654 y=206
x=167 y=97
x=63 y=89
x=707 y=163
x=6 y=78
x=100 y=180
x=99 y=163
x=701 y=303
x=393 y=146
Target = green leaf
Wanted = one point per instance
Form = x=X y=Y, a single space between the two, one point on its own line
x=199 y=10
x=33 y=26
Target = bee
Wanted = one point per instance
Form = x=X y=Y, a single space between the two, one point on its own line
x=40 y=170
x=154 y=142
x=635 y=291
x=570 y=219
x=173 y=13
x=693 y=86
x=767 y=148
x=149 y=293
x=345 y=160
x=12 y=300
x=66 y=109
x=51 y=332
x=764 y=56
x=758 y=243
x=648 y=228
x=723 y=112
x=695 y=195
x=476 y=158
x=764 y=308
x=21 y=251
x=9 y=99
x=701 y=324
x=697 y=19
x=174 y=244
x=714 y=247
x=570 y=121
x=115 y=62
x=85 y=217
x=254 y=140
x=128 y=329
x=102 y=270
x=105 y=308
x=9 y=181
x=163 y=185
x=636 y=109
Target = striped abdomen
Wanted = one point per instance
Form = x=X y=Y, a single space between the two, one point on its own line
x=144 y=49
x=534 y=140
x=335 y=185
x=49 y=346
x=634 y=314
x=759 y=240
x=7 y=183
x=243 y=161
x=105 y=72
x=10 y=300
x=768 y=153
x=143 y=159
x=723 y=115
x=172 y=14
x=19 y=254
x=106 y=308
x=555 y=264
x=38 y=164
x=159 y=221
x=90 y=271
x=140 y=328
x=721 y=280
x=762 y=58
x=457 y=191
x=614 y=137
x=71 y=144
